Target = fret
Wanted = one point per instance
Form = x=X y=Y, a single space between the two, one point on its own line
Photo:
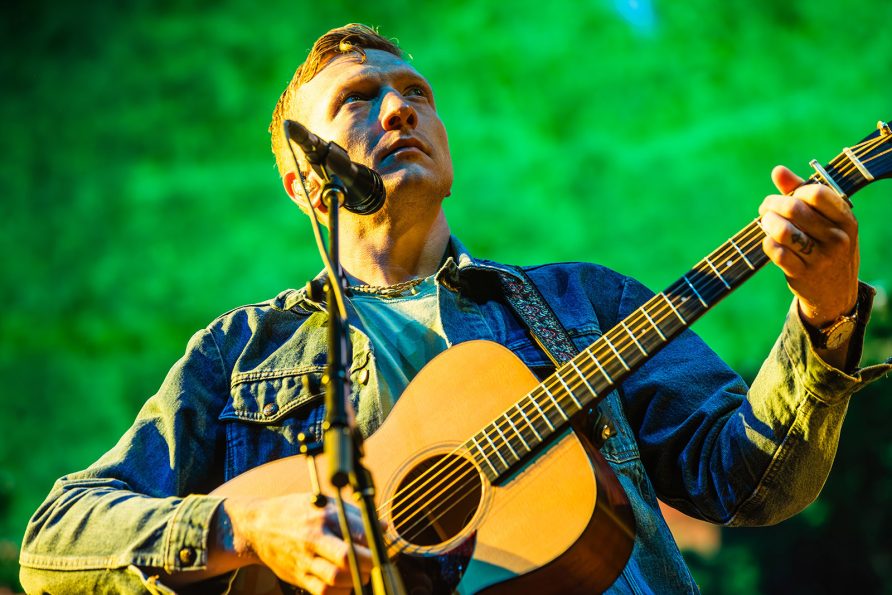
x=569 y=390
x=496 y=450
x=517 y=432
x=542 y=413
x=483 y=456
x=671 y=305
x=530 y=424
x=697 y=293
x=600 y=367
x=704 y=281
x=640 y=347
x=742 y=255
x=718 y=274
x=553 y=400
x=584 y=381
x=505 y=440
x=621 y=360
x=654 y=324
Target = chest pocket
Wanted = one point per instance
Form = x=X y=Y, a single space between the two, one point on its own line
x=267 y=411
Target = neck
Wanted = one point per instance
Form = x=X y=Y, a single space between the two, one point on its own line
x=385 y=253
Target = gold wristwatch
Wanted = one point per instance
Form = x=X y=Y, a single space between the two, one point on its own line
x=834 y=333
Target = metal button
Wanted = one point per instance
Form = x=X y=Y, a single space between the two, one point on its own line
x=187 y=556
x=364 y=377
x=270 y=409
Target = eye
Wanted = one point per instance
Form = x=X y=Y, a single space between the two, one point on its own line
x=415 y=91
x=353 y=97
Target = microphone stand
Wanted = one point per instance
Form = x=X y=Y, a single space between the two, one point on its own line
x=342 y=443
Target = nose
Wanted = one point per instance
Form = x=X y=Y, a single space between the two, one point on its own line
x=397 y=113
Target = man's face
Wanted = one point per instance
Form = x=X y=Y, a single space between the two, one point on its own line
x=382 y=112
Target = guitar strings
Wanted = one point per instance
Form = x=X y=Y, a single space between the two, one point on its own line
x=433 y=515
x=841 y=158
x=404 y=530
x=664 y=314
x=464 y=475
x=533 y=416
x=701 y=269
x=622 y=347
x=636 y=324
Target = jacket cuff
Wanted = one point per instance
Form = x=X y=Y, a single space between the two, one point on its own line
x=187 y=536
x=825 y=382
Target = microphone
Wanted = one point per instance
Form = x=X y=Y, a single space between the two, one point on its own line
x=365 y=190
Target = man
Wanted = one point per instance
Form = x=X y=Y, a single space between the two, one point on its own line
x=686 y=428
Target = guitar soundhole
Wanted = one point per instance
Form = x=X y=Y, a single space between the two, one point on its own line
x=436 y=500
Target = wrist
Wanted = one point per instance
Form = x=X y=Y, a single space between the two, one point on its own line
x=229 y=533
x=835 y=333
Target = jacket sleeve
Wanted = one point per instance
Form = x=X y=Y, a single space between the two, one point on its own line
x=138 y=508
x=723 y=452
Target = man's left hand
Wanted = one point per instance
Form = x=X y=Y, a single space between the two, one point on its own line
x=812 y=235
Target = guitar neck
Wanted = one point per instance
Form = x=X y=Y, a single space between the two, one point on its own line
x=592 y=374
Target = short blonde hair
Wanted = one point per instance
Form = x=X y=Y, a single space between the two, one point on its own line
x=342 y=40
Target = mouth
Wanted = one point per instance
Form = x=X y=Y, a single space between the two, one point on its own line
x=405 y=146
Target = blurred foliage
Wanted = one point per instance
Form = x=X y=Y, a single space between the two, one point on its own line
x=140 y=199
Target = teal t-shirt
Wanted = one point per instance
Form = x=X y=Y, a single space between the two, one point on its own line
x=406 y=333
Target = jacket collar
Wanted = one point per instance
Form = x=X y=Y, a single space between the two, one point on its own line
x=456 y=273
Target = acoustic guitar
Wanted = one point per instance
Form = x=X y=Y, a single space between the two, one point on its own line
x=483 y=474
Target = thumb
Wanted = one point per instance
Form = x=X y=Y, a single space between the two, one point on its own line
x=785 y=180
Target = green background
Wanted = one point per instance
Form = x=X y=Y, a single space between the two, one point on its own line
x=140 y=199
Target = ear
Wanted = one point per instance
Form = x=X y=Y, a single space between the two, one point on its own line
x=291 y=182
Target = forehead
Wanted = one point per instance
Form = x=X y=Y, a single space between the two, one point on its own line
x=349 y=69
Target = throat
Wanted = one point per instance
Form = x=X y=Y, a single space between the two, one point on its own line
x=384 y=259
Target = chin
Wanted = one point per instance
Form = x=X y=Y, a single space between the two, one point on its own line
x=415 y=182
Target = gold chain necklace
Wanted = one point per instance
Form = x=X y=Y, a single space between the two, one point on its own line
x=388 y=290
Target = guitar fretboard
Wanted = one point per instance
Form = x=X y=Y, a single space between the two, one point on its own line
x=591 y=375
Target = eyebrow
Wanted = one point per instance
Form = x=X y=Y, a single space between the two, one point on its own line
x=401 y=74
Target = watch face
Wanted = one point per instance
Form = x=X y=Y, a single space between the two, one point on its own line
x=837 y=334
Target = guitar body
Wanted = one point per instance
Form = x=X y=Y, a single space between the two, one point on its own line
x=559 y=523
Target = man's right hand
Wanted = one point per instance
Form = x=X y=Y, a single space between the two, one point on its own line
x=299 y=541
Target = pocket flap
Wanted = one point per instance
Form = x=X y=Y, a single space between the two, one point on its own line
x=268 y=397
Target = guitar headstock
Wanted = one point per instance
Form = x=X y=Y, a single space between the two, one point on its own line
x=877 y=155
x=859 y=165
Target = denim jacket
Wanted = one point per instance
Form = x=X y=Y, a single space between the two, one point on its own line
x=687 y=429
